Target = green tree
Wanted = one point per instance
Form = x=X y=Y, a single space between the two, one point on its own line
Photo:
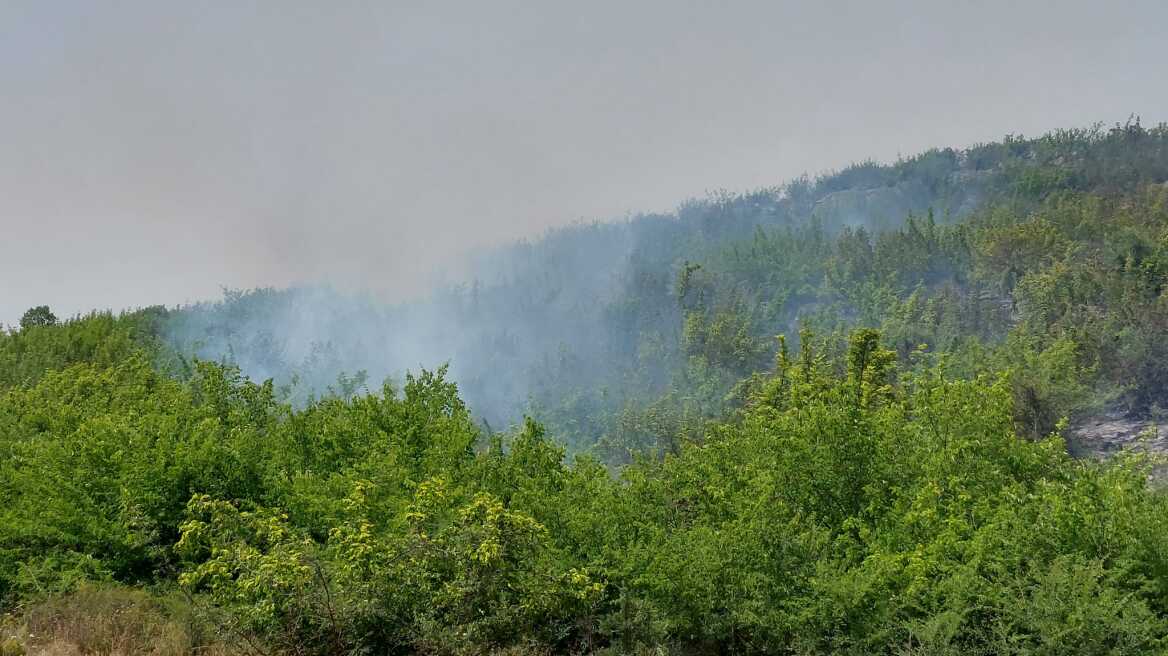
x=40 y=315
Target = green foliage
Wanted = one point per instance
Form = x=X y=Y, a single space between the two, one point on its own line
x=38 y=316
x=891 y=482
x=43 y=345
x=850 y=506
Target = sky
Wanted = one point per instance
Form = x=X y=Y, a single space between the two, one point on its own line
x=154 y=152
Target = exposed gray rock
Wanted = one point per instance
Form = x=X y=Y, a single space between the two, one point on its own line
x=1104 y=436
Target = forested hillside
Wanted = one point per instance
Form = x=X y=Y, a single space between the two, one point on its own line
x=1040 y=251
x=823 y=418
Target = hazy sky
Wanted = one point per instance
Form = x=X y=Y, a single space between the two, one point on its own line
x=151 y=152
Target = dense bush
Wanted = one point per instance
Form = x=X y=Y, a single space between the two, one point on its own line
x=848 y=507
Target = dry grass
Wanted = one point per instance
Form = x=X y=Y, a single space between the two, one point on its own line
x=107 y=621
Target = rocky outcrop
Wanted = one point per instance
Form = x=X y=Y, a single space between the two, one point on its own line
x=1099 y=437
x=1104 y=436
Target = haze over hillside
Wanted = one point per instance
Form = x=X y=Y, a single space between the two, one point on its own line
x=544 y=308
x=593 y=322
x=157 y=151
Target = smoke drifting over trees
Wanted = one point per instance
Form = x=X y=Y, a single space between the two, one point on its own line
x=154 y=152
x=576 y=325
